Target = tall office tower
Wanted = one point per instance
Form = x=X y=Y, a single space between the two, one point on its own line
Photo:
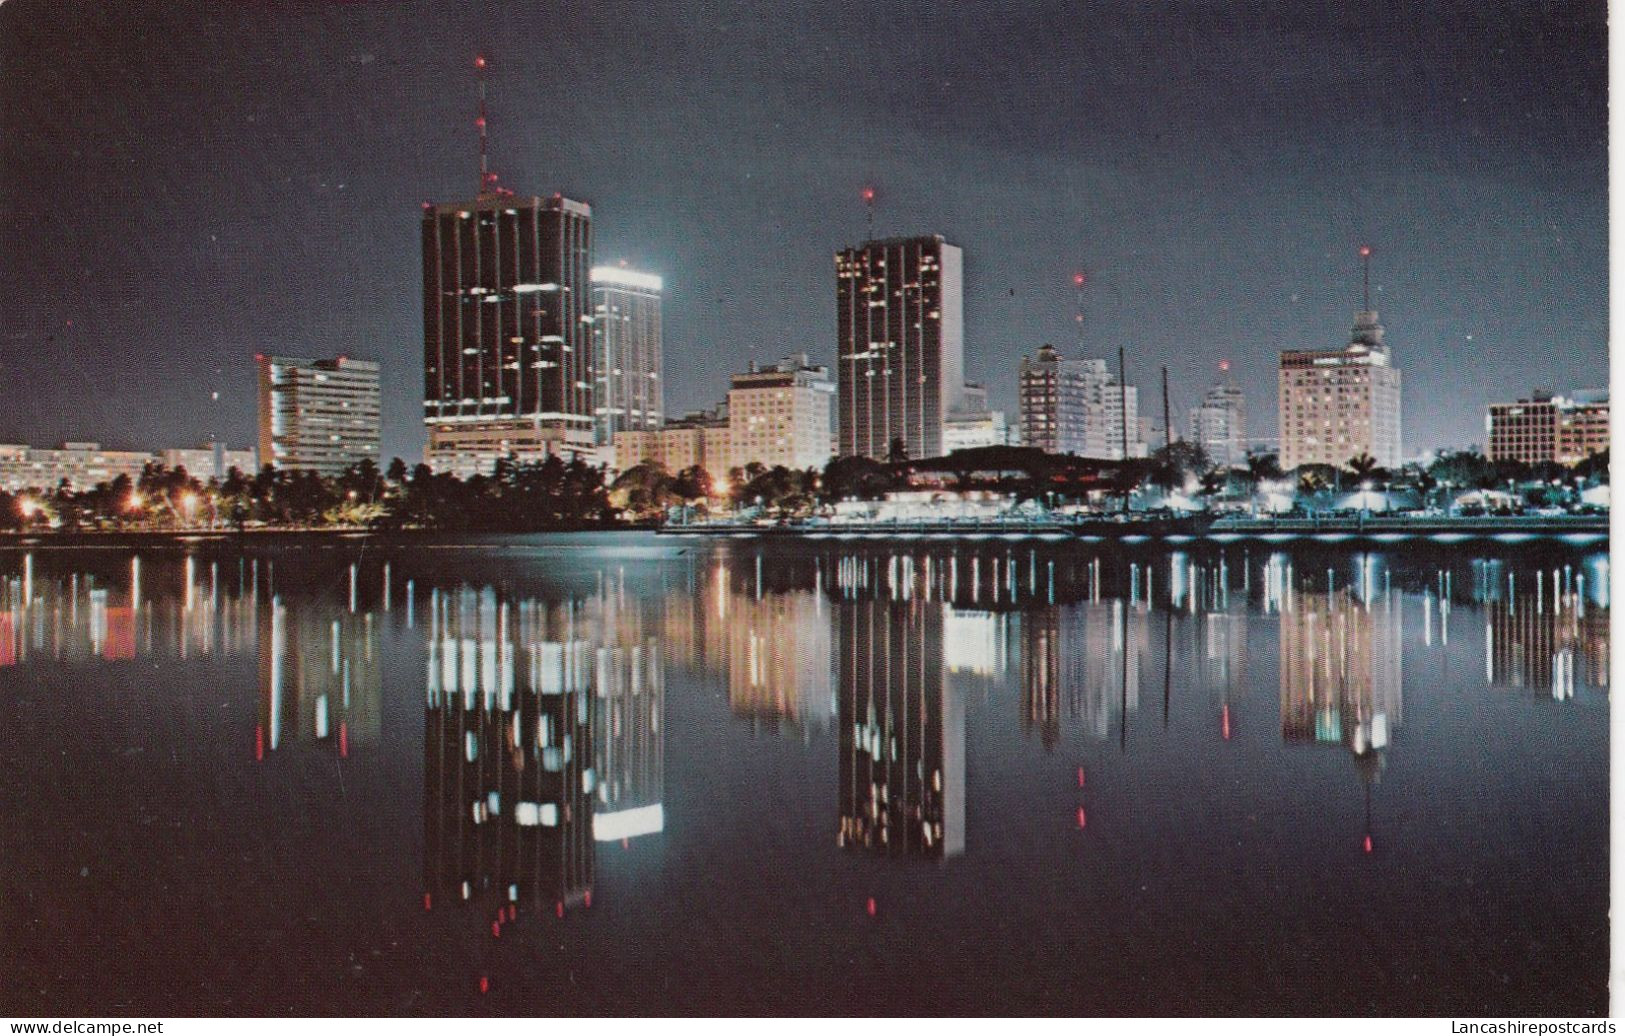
x=1339 y=403
x=507 y=331
x=1076 y=407
x=902 y=730
x=901 y=344
x=1219 y=421
x=318 y=415
x=626 y=352
x=1544 y=427
x=779 y=415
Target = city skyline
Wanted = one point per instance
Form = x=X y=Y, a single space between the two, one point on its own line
x=281 y=190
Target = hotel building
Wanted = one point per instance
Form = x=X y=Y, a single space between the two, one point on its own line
x=1339 y=403
x=780 y=415
x=700 y=439
x=1547 y=428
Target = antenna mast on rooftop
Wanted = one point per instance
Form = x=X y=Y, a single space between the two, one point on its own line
x=486 y=176
x=1365 y=261
x=1078 y=281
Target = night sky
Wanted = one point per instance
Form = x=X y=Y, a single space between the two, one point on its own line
x=184 y=185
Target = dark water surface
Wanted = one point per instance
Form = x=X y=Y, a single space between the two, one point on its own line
x=630 y=774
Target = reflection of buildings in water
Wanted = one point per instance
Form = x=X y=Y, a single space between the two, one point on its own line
x=1545 y=643
x=1048 y=664
x=1224 y=659
x=508 y=742
x=974 y=642
x=771 y=641
x=1341 y=675
x=629 y=698
x=1088 y=652
x=902 y=731
x=188 y=607
x=318 y=675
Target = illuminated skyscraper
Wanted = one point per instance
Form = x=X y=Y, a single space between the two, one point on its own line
x=507 y=330
x=626 y=352
x=900 y=344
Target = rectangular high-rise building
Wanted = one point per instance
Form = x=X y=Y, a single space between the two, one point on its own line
x=626 y=352
x=318 y=415
x=1560 y=429
x=1219 y=423
x=900 y=345
x=1076 y=407
x=1339 y=403
x=507 y=331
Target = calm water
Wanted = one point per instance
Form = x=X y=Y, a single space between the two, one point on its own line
x=628 y=774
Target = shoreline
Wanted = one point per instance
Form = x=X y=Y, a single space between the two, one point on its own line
x=1589 y=530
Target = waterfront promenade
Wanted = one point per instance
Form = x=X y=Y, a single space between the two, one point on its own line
x=1330 y=528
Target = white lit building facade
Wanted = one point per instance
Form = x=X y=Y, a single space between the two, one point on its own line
x=626 y=351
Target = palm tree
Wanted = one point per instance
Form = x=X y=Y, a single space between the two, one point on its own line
x=1362 y=464
x=1263 y=467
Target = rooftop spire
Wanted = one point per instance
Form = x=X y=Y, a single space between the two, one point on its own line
x=1365 y=262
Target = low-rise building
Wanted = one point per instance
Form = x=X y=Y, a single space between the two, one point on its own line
x=208 y=462
x=699 y=439
x=83 y=465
